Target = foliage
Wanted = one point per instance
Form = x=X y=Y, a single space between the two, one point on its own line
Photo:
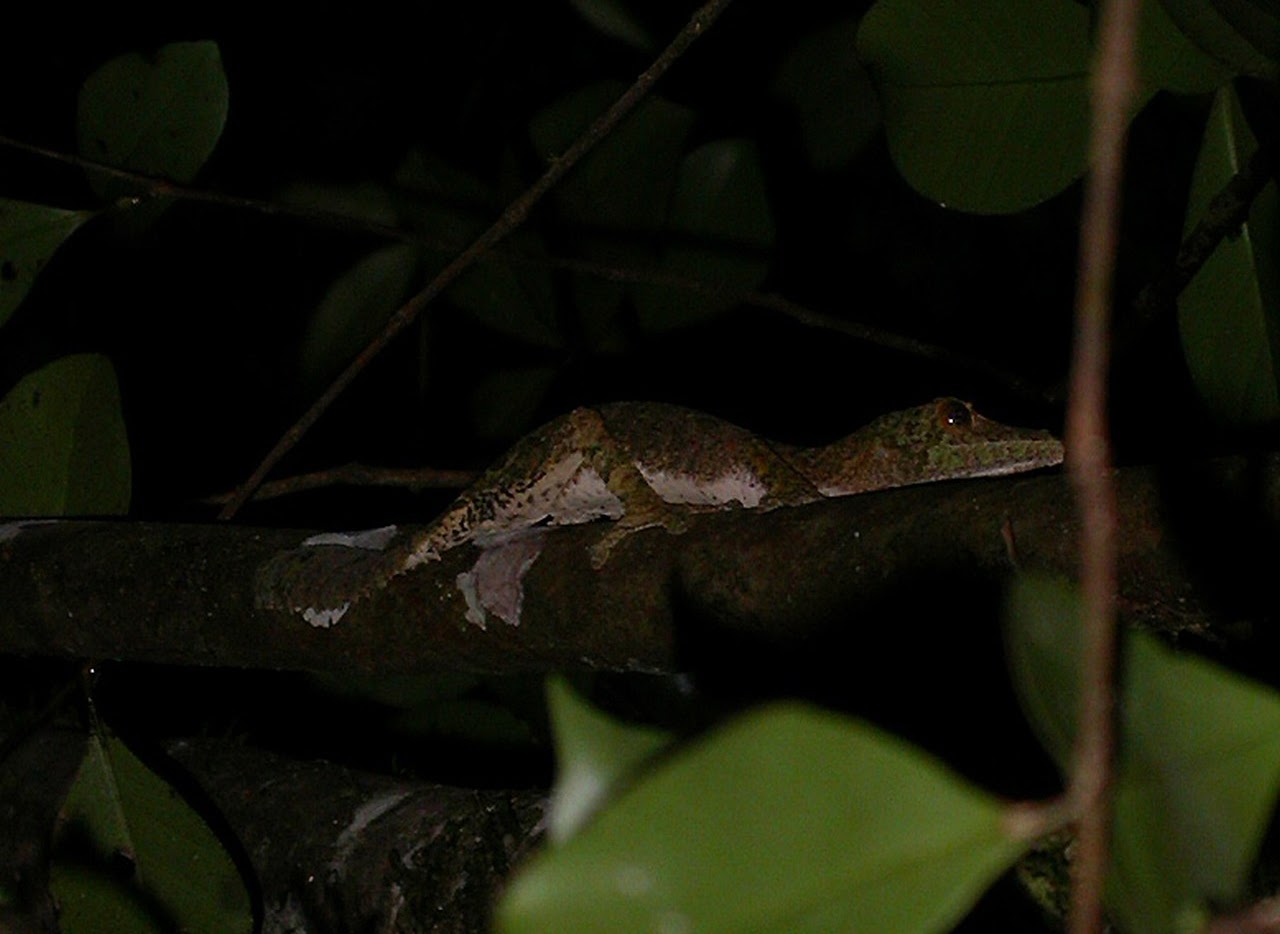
x=1199 y=759
x=1227 y=315
x=120 y=813
x=63 y=449
x=792 y=819
x=787 y=818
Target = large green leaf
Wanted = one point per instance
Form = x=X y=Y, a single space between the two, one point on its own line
x=452 y=207
x=63 y=447
x=120 y=814
x=831 y=93
x=791 y=819
x=1229 y=315
x=707 y=206
x=624 y=183
x=1244 y=36
x=1199 y=774
x=985 y=103
x=29 y=235
x=1257 y=21
x=160 y=116
x=1199 y=759
x=718 y=231
x=1169 y=60
x=355 y=309
x=595 y=756
x=1042 y=646
x=612 y=18
x=515 y=299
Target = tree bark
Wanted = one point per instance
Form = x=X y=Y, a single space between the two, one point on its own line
x=192 y=594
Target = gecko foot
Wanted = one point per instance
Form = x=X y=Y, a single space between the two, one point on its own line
x=599 y=553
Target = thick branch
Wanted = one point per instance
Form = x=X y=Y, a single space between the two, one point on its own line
x=185 y=594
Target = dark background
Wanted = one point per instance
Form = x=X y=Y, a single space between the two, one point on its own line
x=201 y=313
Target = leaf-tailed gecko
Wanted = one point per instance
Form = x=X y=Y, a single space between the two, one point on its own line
x=642 y=465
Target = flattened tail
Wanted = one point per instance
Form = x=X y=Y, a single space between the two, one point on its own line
x=322 y=577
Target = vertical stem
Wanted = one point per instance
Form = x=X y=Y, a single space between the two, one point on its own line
x=1089 y=460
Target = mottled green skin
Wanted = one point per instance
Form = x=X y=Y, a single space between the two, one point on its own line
x=620 y=443
x=644 y=464
x=942 y=440
x=610 y=442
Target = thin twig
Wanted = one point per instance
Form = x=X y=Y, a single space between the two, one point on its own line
x=1089 y=461
x=410 y=478
x=1228 y=210
x=153 y=186
x=159 y=187
x=510 y=219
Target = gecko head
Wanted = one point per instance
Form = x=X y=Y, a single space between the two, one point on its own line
x=944 y=439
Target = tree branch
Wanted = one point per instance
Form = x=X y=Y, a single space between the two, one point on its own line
x=185 y=594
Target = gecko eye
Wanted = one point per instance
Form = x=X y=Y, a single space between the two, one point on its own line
x=955 y=414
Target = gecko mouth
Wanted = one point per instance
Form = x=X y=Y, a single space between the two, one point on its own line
x=997 y=459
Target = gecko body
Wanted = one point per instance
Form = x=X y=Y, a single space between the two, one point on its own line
x=643 y=465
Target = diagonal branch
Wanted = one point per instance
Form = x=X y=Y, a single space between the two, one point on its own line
x=510 y=219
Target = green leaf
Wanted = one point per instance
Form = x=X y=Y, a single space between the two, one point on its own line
x=450 y=206
x=1199 y=774
x=831 y=93
x=159 y=116
x=1229 y=315
x=515 y=299
x=1169 y=60
x=354 y=310
x=613 y=19
x=624 y=183
x=119 y=813
x=719 y=230
x=63 y=447
x=1199 y=759
x=1242 y=36
x=1042 y=644
x=985 y=101
x=1257 y=22
x=595 y=756
x=791 y=819
x=29 y=235
x=93 y=899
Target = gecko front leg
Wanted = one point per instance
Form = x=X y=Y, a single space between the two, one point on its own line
x=645 y=509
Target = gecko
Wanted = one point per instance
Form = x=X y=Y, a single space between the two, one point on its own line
x=643 y=465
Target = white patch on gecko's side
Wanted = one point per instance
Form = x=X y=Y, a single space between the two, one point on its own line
x=495 y=582
x=368 y=539
x=737 y=485
x=585 y=498
x=323 y=619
